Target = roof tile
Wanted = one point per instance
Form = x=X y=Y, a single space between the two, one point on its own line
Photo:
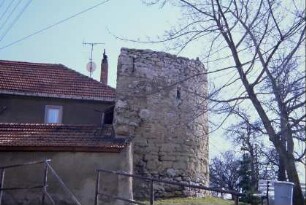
x=57 y=137
x=50 y=80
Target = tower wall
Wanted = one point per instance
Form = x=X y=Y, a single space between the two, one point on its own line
x=161 y=102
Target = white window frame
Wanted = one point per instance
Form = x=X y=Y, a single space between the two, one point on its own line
x=60 y=116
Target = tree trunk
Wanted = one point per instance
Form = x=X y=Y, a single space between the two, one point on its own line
x=289 y=163
x=281 y=175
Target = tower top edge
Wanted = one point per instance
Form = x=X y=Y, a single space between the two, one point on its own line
x=140 y=52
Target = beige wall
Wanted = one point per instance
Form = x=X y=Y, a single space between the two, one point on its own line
x=77 y=169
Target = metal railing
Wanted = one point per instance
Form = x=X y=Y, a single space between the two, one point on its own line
x=151 y=187
x=43 y=186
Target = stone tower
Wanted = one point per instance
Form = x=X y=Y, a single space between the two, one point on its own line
x=161 y=102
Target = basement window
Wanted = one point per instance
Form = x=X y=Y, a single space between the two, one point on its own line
x=53 y=114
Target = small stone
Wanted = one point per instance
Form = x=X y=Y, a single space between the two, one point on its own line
x=171 y=172
x=121 y=104
x=122 y=130
x=144 y=114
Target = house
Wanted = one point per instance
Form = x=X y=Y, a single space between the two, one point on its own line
x=48 y=111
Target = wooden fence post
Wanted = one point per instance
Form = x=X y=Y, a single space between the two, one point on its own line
x=45 y=184
x=267 y=194
x=97 y=188
x=2 y=173
x=151 y=192
x=236 y=199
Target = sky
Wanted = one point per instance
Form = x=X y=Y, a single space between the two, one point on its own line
x=58 y=28
x=64 y=43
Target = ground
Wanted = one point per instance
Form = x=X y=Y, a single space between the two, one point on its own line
x=195 y=201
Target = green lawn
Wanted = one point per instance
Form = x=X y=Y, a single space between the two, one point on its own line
x=195 y=201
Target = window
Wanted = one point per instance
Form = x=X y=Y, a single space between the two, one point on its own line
x=108 y=116
x=53 y=114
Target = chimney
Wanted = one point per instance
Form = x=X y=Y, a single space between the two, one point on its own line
x=104 y=69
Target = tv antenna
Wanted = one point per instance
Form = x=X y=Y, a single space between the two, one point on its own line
x=91 y=66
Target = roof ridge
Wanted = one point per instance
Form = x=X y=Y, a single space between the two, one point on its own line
x=48 y=124
x=29 y=63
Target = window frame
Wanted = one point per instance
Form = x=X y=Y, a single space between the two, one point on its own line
x=60 y=116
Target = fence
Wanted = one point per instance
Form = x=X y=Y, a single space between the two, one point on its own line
x=43 y=186
x=266 y=190
x=151 y=182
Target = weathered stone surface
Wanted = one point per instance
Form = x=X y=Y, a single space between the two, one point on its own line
x=144 y=114
x=161 y=101
x=171 y=172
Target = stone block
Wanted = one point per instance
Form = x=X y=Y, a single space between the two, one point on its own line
x=167 y=158
x=120 y=104
x=180 y=165
x=171 y=172
x=151 y=157
x=152 y=165
x=123 y=130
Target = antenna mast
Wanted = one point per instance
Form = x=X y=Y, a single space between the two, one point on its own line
x=91 y=66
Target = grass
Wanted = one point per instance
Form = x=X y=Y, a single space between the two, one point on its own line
x=195 y=201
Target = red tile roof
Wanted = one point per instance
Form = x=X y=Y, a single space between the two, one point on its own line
x=50 y=80
x=56 y=137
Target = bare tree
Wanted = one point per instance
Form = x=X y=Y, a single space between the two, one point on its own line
x=263 y=159
x=261 y=42
x=244 y=134
x=224 y=171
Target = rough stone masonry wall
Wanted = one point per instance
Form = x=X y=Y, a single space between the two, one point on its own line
x=161 y=101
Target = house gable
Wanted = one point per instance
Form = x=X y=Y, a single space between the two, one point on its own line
x=29 y=90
